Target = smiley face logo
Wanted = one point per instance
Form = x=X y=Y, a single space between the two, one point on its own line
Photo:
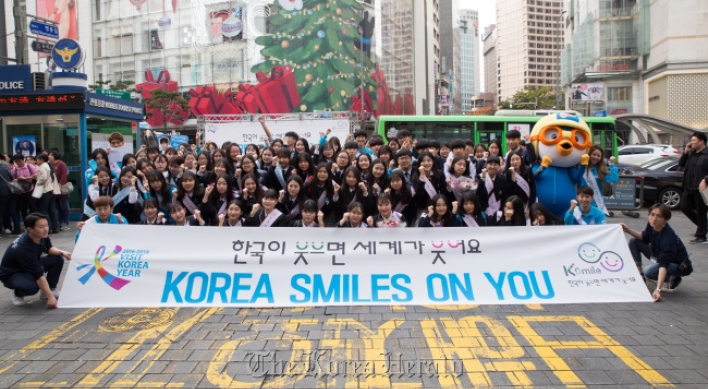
x=611 y=261
x=589 y=253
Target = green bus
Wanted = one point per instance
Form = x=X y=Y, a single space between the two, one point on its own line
x=483 y=129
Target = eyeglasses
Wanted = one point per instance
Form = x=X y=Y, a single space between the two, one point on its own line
x=550 y=136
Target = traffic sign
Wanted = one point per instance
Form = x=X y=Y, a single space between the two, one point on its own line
x=44 y=29
x=114 y=93
x=42 y=47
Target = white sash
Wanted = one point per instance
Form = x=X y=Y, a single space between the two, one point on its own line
x=429 y=187
x=494 y=204
x=222 y=210
x=591 y=179
x=271 y=218
x=121 y=195
x=238 y=223
x=400 y=207
x=456 y=190
x=469 y=220
x=88 y=211
x=279 y=176
x=578 y=216
x=322 y=199
x=293 y=213
x=189 y=204
x=525 y=187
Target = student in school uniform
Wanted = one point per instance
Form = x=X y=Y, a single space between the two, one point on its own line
x=493 y=190
x=439 y=214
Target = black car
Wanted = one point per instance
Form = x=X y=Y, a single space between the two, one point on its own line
x=663 y=180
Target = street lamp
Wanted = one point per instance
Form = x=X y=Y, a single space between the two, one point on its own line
x=558 y=56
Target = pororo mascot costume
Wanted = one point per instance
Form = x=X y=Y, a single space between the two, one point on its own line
x=561 y=142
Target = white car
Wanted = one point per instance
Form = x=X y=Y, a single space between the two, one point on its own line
x=639 y=154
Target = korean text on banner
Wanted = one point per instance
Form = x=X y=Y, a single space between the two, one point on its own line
x=131 y=266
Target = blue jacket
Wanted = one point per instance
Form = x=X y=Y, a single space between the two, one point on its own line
x=666 y=246
x=594 y=216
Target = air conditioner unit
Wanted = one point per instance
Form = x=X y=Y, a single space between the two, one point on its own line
x=39 y=81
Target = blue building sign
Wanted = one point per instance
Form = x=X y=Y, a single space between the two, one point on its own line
x=15 y=79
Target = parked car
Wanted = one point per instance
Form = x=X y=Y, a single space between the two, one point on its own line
x=639 y=154
x=663 y=180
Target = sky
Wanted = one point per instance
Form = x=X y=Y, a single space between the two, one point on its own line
x=487 y=15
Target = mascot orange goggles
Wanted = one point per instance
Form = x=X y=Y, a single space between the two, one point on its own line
x=553 y=135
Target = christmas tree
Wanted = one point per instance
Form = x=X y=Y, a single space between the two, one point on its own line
x=316 y=39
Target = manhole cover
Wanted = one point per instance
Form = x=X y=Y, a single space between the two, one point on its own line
x=137 y=319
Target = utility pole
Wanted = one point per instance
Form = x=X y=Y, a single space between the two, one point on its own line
x=18 y=14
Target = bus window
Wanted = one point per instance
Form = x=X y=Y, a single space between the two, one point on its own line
x=447 y=131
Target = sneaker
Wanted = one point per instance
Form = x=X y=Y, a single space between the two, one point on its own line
x=55 y=292
x=65 y=228
x=698 y=241
x=18 y=301
x=674 y=282
x=7 y=231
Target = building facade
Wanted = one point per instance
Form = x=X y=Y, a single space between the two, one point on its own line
x=470 y=53
x=491 y=65
x=676 y=77
x=450 y=57
x=529 y=37
x=602 y=61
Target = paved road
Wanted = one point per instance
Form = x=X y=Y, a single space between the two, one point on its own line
x=574 y=346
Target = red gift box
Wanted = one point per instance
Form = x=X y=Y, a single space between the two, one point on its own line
x=277 y=93
x=356 y=103
x=409 y=103
x=206 y=100
x=384 y=102
x=163 y=82
x=246 y=99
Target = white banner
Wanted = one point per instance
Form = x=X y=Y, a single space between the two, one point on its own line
x=247 y=131
x=149 y=266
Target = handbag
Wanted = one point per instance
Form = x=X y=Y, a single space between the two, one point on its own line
x=14 y=187
x=67 y=188
x=38 y=191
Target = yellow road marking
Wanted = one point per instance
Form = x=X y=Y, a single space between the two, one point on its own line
x=48 y=338
x=546 y=349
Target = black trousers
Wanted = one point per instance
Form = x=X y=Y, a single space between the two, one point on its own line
x=694 y=208
x=24 y=284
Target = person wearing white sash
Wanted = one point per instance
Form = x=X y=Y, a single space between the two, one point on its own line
x=598 y=175
x=279 y=173
x=493 y=190
x=458 y=179
x=402 y=196
x=308 y=215
x=581 y=211
x=386 y=217
x=126 y=196
x=354 y=217
x=513 y=214
x=428 y=181
x=324 y=191
x=153 y=216
x=101 y=185
x=267 y=215
x=521 y=177
x=291 y=200
x=354 y=190
x=189 y=192
x=470 y=214
x=215 y=200
x=439 y=214
x=234 y=215
x=178 y=214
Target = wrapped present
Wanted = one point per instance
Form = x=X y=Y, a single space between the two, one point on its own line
x=245 y=99
x=383 y=100
x=398 y=106
x=408 y=102
x=277 y=93
x=206 y=100
x=357 y=105
x=162 y=82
